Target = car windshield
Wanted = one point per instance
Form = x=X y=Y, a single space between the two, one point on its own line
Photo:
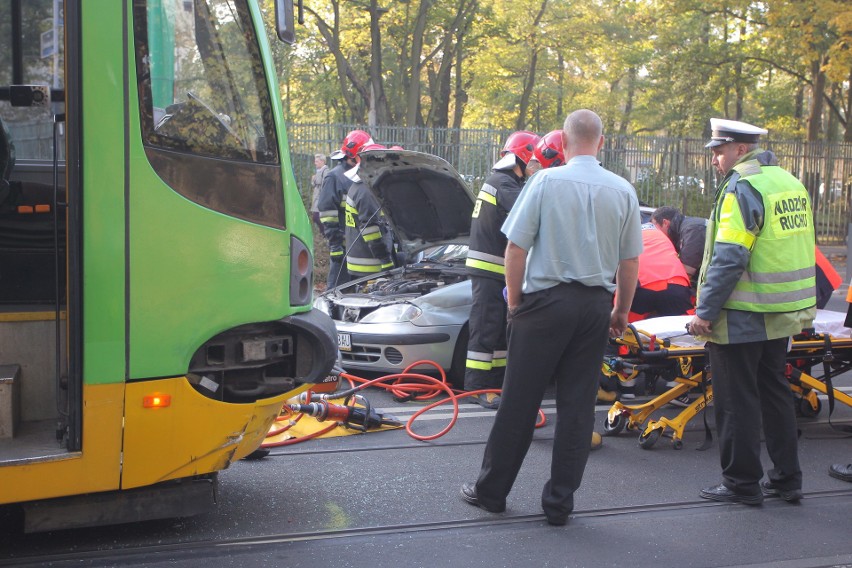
x=445 y=254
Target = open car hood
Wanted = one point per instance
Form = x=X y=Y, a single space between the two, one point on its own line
x=424 y=198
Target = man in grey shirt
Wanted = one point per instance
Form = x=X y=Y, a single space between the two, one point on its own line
x=574 y=239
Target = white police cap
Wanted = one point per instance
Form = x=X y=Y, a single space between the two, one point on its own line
x=725 y=131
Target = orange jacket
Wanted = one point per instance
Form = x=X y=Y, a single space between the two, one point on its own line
x=659 y=264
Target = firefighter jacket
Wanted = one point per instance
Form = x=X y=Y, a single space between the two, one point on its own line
x=368 y=240
x=487 y=243
x=331 y=204
x=658 y=264
x=757 y=278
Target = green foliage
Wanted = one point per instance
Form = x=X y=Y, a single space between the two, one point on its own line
x=660 y=67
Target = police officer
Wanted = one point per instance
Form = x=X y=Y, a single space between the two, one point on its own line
x=368 y=239
x=486 y=348
x=688 y=235
x=332 y=201
x=755 y=290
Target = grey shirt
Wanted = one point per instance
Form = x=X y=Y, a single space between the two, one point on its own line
x=577 y=222
x=316 y=184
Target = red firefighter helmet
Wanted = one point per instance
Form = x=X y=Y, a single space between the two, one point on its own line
x=548 y=151
x=521 y=144
x=352 y=144
x=372 y=146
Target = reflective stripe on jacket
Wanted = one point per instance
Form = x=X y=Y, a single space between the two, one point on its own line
x=779 y=276
x=487 y=243
x=367 y=237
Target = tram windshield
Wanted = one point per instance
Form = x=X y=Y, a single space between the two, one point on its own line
x=201 y=80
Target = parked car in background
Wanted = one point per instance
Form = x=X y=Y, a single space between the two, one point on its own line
x=419 y=310
x=685 y=183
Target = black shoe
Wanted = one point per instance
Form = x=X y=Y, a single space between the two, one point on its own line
x=557 y=521
x=682 y=401
x=841 y=472
x=722 y=493
x=468 y=493
x=769 y=489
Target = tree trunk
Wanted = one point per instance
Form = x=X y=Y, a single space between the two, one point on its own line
x=560 y=96
x=847 y=135
x=817 y=102
x=628 y=105
x=345 y=74
x=529 y=79
x=378 y=102
x=412 y=107
x=441 y=90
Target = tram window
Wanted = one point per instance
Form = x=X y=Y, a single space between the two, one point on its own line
x=41 y=63
x=201 y=81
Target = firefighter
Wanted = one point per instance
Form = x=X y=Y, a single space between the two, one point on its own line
x=548 y=152
x=332 y=201
x=486 y=349
x=369 y=243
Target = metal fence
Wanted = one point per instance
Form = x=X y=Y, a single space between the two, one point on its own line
x=665 y=171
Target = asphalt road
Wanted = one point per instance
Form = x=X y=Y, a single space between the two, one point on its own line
x=385 y=499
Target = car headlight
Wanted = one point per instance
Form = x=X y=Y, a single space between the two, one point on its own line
x=322 y=305
x=396 y=313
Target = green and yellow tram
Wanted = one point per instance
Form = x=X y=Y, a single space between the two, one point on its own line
x=155 y=255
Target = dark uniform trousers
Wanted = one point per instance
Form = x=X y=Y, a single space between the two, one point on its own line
x=747 y=378
x=674 y=300
x=487 y=329
x=558 y=333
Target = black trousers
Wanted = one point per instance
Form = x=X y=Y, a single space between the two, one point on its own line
x=486 y=346
x=556 y=334
x=750 y=392
x=337 y=273
x=674 y=300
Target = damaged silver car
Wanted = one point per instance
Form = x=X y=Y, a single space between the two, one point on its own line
x=387 y=321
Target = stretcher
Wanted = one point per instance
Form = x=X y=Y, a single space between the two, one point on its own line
x=661 y=348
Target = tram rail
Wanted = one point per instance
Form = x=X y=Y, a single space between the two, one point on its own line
x=175 y=552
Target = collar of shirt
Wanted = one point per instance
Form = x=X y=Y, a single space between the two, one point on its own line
x=584 y=159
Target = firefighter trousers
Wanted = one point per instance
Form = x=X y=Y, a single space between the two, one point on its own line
x=486 y=348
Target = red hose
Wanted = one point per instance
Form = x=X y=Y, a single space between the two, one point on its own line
x=406 y=383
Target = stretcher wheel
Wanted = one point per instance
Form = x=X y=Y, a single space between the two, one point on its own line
x=614 y=427
x=677 y=444
x=646 y=442
x=808 y=411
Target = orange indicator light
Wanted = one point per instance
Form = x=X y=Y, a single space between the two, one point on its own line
x=156 y=400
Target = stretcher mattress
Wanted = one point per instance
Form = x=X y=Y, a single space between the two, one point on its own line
x=673 y=328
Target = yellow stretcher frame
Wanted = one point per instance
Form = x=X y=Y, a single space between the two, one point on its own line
x=648 y=353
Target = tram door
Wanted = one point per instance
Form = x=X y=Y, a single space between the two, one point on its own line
x=39 y=395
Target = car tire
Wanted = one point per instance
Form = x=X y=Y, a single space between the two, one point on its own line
x=455 y=375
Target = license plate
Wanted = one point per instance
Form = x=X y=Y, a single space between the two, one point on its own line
x=344 y=341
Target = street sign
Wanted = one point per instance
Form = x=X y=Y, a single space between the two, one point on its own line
x=48 y=44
